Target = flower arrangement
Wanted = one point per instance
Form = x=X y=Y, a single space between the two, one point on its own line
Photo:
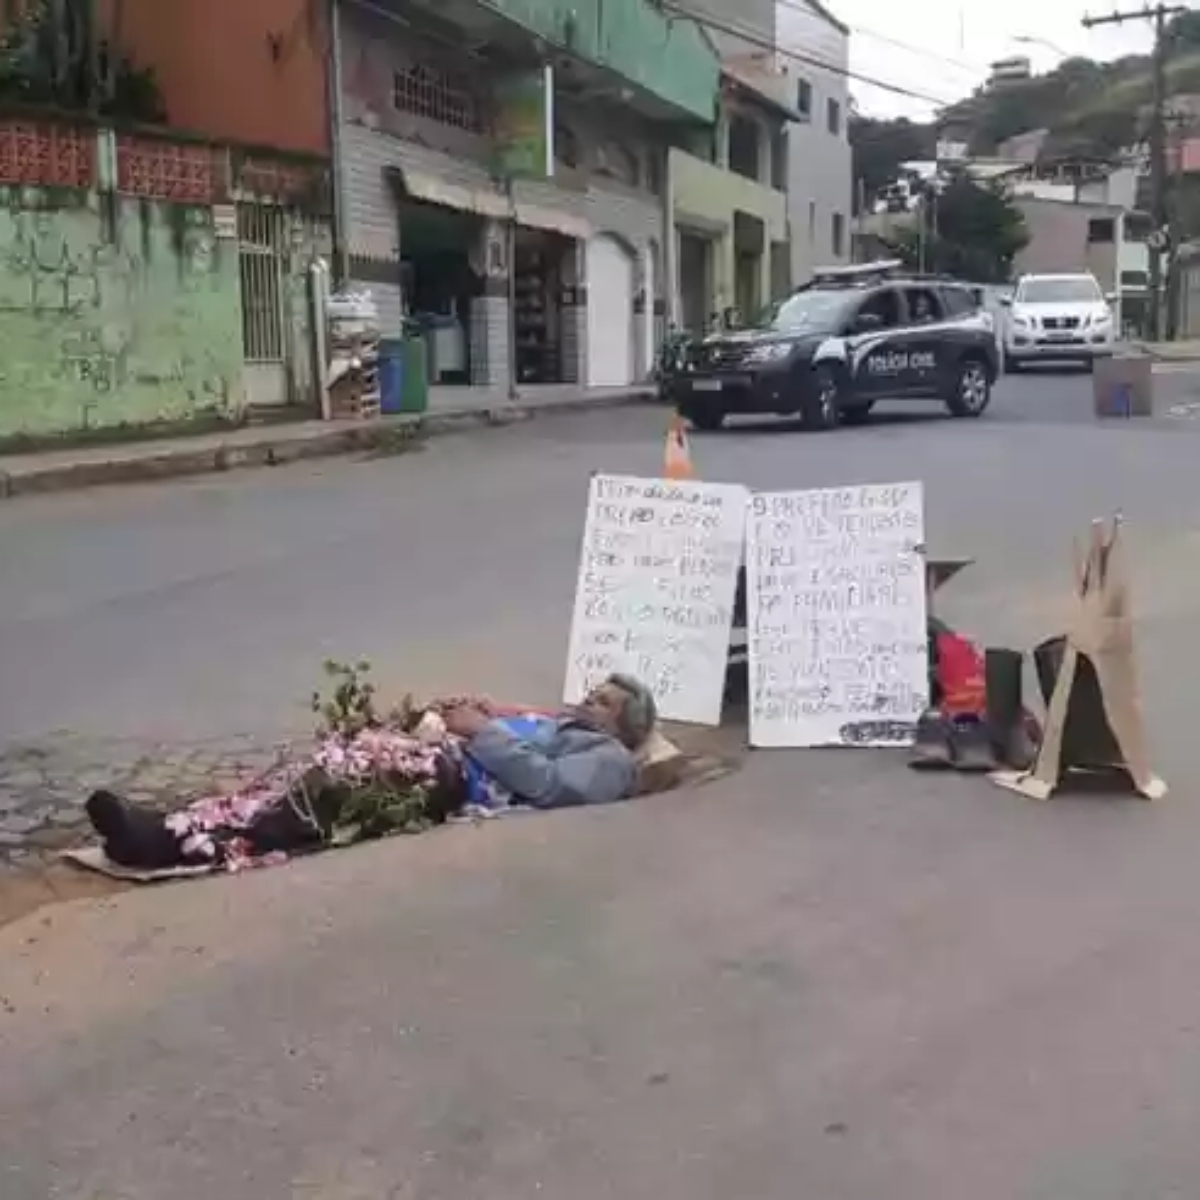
x=384 y=771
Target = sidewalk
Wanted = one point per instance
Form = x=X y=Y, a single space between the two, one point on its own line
x=1171 y=352
x=274 y=445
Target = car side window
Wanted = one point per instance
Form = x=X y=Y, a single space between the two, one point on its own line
x=885 y=306
x=959 y=302
x=924 y=306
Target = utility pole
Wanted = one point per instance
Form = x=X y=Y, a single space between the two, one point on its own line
x=1178 y=125
x=1159 y=14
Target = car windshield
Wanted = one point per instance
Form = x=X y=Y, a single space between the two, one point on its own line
x=813 y=311
x=1058 y=291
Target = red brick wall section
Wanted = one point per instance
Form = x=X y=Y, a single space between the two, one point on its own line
x=163 y=170
x=46 y=155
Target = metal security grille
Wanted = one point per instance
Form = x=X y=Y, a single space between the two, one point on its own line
x=262 y=252
x=428 y=91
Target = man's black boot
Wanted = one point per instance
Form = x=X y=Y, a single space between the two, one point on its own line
x=134 y=836
x=1003 y=679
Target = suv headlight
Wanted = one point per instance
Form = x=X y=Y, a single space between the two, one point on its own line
x=769 y=353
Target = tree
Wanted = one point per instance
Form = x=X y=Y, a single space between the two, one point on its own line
x=1183 y=31
x=53 y=53
x=879 y=147
x=967 y=229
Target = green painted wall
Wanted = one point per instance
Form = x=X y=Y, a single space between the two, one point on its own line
x=113 y=311
x=669 y=57
x=706 y=199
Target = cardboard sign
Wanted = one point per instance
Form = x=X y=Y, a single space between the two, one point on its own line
x=837 y=616
x=655 y=593
x=1094 y=719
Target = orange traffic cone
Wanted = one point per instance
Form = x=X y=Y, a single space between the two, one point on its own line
x=677 y=456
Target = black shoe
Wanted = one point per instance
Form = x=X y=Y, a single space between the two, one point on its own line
x=932 y=750
x=134 y=836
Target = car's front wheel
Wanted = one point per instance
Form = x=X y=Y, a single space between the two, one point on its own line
x=971 y=391
x=707 y=419
x=823 y=404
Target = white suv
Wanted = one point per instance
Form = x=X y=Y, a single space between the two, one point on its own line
x=1057 y=318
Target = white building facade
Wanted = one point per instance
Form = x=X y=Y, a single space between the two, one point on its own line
x=820 y=171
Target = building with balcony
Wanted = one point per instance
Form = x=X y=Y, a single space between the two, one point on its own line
x=729 y=209
x=798 y=53
x=552 y=272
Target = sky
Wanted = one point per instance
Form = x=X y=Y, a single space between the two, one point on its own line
x=941 y=49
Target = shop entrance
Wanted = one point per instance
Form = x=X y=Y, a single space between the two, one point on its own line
x=437 y=248
x=541 y=275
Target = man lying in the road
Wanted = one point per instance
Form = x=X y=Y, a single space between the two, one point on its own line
x=466 y=756
x=586 y=756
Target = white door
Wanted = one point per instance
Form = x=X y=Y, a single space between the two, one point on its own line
x=610 y=313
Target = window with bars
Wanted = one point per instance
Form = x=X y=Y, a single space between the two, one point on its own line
x=429 y=91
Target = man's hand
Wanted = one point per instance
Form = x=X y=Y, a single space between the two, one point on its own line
x=466 y=720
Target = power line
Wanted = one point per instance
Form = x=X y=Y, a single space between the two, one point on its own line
x=754 y=38
x=887 y=40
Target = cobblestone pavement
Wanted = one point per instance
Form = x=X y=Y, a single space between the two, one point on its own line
x=43 y=786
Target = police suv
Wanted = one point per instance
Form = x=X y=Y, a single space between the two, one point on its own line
x=850 y=338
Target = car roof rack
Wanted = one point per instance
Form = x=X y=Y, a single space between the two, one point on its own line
x=858 y=274
x=862 y=275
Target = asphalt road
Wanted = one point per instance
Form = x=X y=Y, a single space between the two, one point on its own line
x=824 y=976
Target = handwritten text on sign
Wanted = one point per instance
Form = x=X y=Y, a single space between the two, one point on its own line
x=655 y=594
x=837 y=636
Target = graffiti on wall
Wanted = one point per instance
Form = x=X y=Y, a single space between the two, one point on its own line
x=42 y=272
x=125 y=316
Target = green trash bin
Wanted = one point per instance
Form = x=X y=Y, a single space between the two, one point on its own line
x=414 y=376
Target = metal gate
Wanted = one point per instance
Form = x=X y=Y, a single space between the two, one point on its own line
x=263 y=243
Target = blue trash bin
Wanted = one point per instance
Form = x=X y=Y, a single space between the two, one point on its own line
x=391 y=375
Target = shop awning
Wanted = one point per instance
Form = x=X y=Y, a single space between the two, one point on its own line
x=537 y=216
x=485 y=201
x=418 y=185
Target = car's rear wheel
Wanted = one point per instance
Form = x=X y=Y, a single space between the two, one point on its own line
x=823 y=404
x=707 y=419
x=971 y=391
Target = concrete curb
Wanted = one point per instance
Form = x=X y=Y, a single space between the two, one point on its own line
x=1166 y=352
x=148 y=462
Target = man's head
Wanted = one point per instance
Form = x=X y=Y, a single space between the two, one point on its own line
x=623 y=707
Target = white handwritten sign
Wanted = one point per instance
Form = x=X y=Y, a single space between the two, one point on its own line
x=657 y=577
x=836 y=616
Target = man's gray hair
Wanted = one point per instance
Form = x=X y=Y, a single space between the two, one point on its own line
x=639 y=713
